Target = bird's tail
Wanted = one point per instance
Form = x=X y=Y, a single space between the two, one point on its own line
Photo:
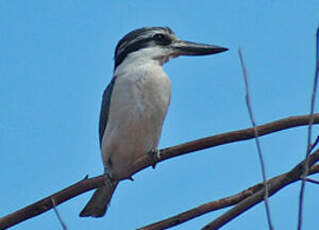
x=97 y=205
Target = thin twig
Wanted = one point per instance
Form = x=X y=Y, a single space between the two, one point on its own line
x=86 y=185
x=58 y=214
x=260 y=155
x=257 y=197
x=213 y=205
x=309 y=144
x=312 y=180
x=314 y=144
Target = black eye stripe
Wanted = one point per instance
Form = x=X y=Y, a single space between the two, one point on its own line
x=159 y=39
x=131 y=48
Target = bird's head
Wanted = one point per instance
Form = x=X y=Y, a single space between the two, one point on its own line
x=158 y=43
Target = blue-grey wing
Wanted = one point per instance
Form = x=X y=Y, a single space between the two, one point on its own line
x=105 y=108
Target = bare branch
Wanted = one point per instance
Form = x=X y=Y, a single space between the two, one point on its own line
x=274 y=186
x=260 y=155
x=213 y=205
x=309 y=144
x=235 y=136
x=88 y=184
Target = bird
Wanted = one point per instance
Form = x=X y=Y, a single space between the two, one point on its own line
x=135 y=103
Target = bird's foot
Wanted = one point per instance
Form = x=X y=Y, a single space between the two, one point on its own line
x=154 y=156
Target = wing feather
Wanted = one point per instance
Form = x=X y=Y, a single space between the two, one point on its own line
x=105 y=108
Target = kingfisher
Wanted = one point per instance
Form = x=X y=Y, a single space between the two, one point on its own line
x=135 y=104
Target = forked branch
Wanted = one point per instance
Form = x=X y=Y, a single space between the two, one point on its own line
x=216 y=205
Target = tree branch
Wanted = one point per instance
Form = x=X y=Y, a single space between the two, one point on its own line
x=214 y=205
x=88 y=184
x=274 y=186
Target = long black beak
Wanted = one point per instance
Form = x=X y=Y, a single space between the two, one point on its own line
x=195 y=49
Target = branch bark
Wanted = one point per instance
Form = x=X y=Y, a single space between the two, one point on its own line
x=88 y=184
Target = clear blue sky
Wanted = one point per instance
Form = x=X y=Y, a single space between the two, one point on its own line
x=57 y=58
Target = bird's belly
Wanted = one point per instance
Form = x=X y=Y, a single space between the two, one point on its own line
x=134 y=126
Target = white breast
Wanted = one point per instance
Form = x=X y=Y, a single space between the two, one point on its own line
x=139 y=104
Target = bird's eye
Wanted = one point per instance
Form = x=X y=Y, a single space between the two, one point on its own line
x=162 y=39
x=159 y=37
